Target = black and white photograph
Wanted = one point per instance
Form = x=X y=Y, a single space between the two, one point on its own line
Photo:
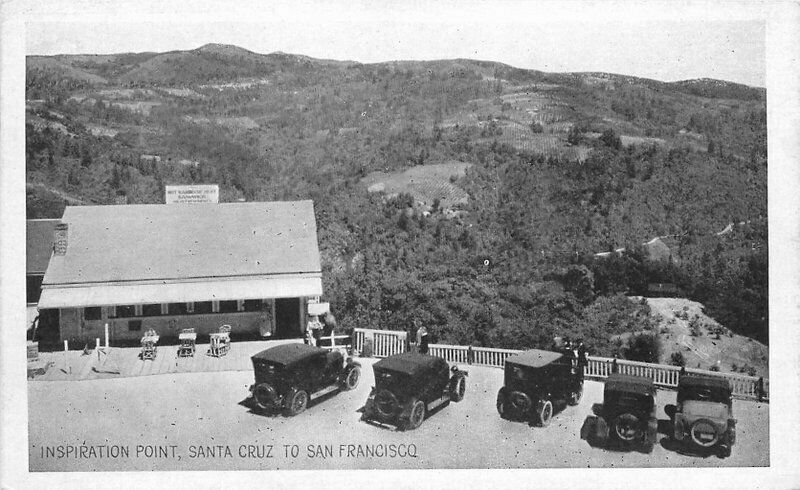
x=434 y=237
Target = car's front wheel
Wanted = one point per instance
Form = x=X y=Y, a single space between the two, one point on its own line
x=351 y=378
x=458 y=386
x=296 y=402
x=544 y=412
x=416 y=416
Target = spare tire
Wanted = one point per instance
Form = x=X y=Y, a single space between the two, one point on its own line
x=520 y=402
x=704 y=433
x=386 y=403
x=352 y=376
x=265 y=396
x=627 y=427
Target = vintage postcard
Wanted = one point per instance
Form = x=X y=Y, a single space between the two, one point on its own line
x=441 y=240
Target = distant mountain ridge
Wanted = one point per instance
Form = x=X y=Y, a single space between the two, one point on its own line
x=217 y=62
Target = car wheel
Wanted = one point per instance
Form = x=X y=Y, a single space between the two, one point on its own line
x=385 y=403
x=501 y=405
x=352 y=378
x=626 y=427
x=575 y=396
x=296 y=402
x=416 y=416
x=265 y=395
x=588 y=428
x=544 y=412
x=457 y=388
x=520 y=403
x=704 y=433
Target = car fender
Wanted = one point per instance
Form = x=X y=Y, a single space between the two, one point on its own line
x=679 y=427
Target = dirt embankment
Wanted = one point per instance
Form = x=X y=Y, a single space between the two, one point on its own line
x=704 y=343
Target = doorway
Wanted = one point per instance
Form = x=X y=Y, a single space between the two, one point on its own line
x=287 y=318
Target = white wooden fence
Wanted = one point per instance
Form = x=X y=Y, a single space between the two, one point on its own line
x=386 y=343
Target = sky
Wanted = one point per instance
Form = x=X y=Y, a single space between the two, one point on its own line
x=676 y=41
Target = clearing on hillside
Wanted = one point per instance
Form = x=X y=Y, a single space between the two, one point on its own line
x=424 y=182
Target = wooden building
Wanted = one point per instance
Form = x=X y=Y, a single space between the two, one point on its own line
x=253 y=266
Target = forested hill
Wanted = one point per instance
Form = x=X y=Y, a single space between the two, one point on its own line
x=559 y=167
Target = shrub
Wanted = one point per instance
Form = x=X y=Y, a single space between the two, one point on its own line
x=643 y=347
x=677 y=359
x=714 y=368
x=695 y=327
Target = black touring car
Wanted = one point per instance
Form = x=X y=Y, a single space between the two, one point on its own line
x=410 y=385
x=288 y=375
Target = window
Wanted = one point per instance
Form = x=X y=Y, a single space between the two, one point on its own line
x=125 y=311
x=252 y=305
x=177 y=309
x=203 y=307
x=228 y=306
x=151 y=309
x=92 y=313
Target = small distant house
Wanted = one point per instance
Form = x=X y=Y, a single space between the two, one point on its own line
x=150 y=158
x=254 y=266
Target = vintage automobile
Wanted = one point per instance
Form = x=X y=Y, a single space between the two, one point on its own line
x=703 y=416
x=287 y=376
x=627 y=417
x=409 y=386
x=534 y=381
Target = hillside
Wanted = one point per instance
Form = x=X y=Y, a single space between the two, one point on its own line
x=552 y=169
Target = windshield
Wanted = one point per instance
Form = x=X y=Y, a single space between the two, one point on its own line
x=629 y=400
x=711 y=410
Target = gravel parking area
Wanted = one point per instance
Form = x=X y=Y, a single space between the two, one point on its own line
x=195 y=421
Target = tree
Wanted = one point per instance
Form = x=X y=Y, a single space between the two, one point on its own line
x=643 y=347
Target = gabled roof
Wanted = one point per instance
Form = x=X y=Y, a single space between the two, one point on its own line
x=38 y=244
x=535 y=358
x=410 y=363
x=286 y=354
x=158 y=242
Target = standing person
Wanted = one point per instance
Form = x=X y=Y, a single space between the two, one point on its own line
x=583 y=361
x=422 y=340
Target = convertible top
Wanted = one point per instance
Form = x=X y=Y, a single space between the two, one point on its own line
x=411 y=363
x=630 y=384
x=699 y=380
x=535 y=358
x=286 y=354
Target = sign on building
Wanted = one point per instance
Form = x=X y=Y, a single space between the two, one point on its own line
x=190 y=194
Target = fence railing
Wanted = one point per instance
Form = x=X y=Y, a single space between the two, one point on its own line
x=386 y=343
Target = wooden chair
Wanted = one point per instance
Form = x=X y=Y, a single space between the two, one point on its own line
x=187 y=339
x=220 y=342
x=149 y=345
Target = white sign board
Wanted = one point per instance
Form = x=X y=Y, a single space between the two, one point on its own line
x=190 y=194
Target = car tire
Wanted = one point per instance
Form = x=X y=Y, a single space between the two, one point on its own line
x=697 y=428
x=385 y=403
x=296 y=402
x=416 y=415
x=458 y=386
x=575 y=396
x=520 y=403
x=502 y=409
x=588 y=429
x=265 y=396
x=627 y=428
x=544 y=412
x=351 y=378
